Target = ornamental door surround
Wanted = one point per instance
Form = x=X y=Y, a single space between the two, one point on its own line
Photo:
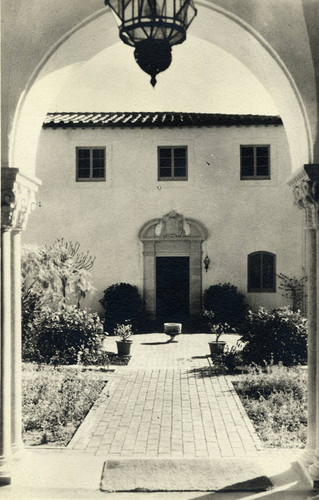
x=173 y=235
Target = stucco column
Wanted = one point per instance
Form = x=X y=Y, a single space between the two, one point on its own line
x=305 y=188
x=5 y=362
x=17 y=200
x=314 y=468
x=311 y=265
x=16 y=374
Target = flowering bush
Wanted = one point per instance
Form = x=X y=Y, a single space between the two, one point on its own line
x=59 y=337
x=123 y=330
x=59 y=273
x=279 y=336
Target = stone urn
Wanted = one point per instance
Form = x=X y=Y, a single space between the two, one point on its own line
x=172 y=330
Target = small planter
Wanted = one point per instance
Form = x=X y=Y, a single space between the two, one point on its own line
x=124 y=348
x=172 y=329
x=216 y=347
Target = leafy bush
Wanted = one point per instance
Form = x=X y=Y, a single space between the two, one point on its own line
x=62 y=336
x=32 y=302
x=231 y=358
x=275 y=400
x=121 y=302
x=278 y=336
x=226 y=303
x=55 y=401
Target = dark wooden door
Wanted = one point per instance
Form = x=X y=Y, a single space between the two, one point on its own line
x=172 y=288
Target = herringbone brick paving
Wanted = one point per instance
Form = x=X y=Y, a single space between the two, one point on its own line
x=167 y=402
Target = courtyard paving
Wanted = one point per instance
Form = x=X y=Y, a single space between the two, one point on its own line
x=167 y=402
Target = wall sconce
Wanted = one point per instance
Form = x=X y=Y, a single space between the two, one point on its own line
x=206 y=262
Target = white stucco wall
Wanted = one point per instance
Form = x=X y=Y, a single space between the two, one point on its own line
x=241 y=216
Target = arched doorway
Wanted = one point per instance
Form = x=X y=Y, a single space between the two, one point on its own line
x=172 y=254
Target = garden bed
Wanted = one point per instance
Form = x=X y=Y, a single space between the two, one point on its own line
x=116 y=360
x=276 y=403
x=55 y=400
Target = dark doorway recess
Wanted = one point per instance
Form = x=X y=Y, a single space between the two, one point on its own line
x=172 y=288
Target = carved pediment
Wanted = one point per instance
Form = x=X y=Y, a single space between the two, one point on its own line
x=172 y=225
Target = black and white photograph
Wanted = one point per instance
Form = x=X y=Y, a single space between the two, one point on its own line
x=159 y=250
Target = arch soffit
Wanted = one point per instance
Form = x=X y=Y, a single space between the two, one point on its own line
x=51 y=63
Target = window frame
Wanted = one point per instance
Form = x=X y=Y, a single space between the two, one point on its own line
x=249 y=266
x=255 y=177
x=172 y=177
x=91 y=178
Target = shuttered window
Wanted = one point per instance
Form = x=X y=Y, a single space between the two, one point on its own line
x=261 y=272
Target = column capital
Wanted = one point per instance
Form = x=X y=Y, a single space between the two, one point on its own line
x=305 y=186
x=17 y=198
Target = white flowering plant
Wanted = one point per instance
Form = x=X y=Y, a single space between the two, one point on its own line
x=123 y=330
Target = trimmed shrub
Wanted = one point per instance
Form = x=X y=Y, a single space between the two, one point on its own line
x=121 y=302
x=226 y=303
x=279 y=336
x=67 y=336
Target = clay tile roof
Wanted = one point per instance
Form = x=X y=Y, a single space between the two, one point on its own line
x=158 y=119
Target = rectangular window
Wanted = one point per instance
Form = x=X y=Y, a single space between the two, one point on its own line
x=172 y=163
x=254 y=162
x=90 y=164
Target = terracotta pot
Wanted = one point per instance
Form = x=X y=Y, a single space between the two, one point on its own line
x=124 y=348
x=216 y=347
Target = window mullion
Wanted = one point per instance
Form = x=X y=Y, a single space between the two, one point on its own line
x=172 y=164
x=255 y=162
x=91 y=163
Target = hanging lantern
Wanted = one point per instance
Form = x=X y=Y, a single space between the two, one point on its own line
x=153 y=27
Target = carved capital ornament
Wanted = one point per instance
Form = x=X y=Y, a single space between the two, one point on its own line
x=305 y=185
x=17 y=198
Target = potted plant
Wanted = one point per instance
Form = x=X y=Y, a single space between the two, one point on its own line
x=216 y=346
x=124 y=331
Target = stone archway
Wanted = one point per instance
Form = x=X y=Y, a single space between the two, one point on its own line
x=178 y=236
x=68 y=52
x=62 y=62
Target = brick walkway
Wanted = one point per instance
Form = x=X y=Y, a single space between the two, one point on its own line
x=167 y=402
